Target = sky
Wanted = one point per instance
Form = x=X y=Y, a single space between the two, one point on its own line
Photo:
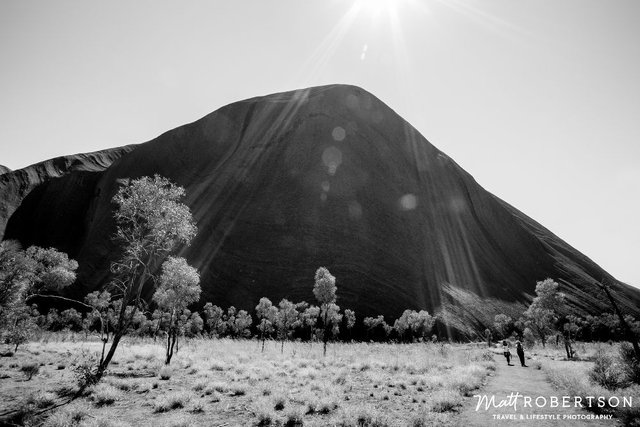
x=539 y=100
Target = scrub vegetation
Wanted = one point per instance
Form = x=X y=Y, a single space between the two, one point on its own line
x=212 y=382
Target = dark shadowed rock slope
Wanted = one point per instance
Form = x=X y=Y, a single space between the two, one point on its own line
x=4 y=169
x=327 y=176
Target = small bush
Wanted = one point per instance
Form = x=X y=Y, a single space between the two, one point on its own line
x=279 y=404
x=165 y=373
x=294 y=419
x=238 y=391
x=216 y=366
x=445 y=401
x=66 y=418
x=200 y=385
x=607 y=372
x=42 y=399
x=197 y=407
x=630 y=364
x=121 y=384
x=84 y=375
x=105 y=394
x=171 y=401
x=264 y=414
x=30 y=369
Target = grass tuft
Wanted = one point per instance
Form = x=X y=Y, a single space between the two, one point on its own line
x=172 y=401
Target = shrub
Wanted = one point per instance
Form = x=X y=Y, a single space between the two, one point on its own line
x=30 y=369
x=84 y=374
x=123 y=385
x=197 y=407
x=294 y=419
x=630 y=417
x=65 y=418
x=238 y=391
x=165 y=373
x=105 y=394
x=607 y=372
x=445 y=401
x=171 y=401
x=279 y=404
x=630 y=364
x=42 y=399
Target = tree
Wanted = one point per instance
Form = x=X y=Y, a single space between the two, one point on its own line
x=332 y=319
x=542 y=314
x=150 y=222
x=102 y=313
x=241 y=324
x=378 y=324
x=213 y=315
x=324 y=290
x=25 y=275
x=229 y=322
x=267 y=315
x=287 y=320
x=503 y=324
x=414 y=324
x=401 y=324
x=310 y=319
x=569 y=327
x=629 y=333
x=488 y=336
x=71 y=319
x=350 y=319
x=179 y=287
x=421 y=323
x=193 y=325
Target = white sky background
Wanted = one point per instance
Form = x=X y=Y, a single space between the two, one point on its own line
x=538 y=99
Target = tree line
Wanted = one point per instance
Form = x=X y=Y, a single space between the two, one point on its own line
x=151 y=221
x=549 y=317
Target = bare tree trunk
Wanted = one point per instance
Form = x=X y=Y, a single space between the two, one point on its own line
x=167 y=359
x=171 y=342
x=112 y=350
x=325 y=336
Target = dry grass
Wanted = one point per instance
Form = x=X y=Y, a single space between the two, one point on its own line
x=233 y=382
x=574 y=380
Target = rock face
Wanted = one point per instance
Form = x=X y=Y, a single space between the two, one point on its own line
x=329 y=176
x=4 y=169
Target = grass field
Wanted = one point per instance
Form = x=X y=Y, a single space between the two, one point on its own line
x=228 y=383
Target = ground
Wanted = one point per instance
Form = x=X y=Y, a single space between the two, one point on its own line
x=232 y=383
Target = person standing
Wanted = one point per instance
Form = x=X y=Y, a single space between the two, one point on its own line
x=506 y=350
x=520 y=352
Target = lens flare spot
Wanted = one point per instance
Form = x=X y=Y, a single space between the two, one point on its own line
x=338 y=133
x=458 y=205
x=323 y=197
x=408 y=202
x=352 y=101
x=332 y=158
x=325 y=186
x=355 y=210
